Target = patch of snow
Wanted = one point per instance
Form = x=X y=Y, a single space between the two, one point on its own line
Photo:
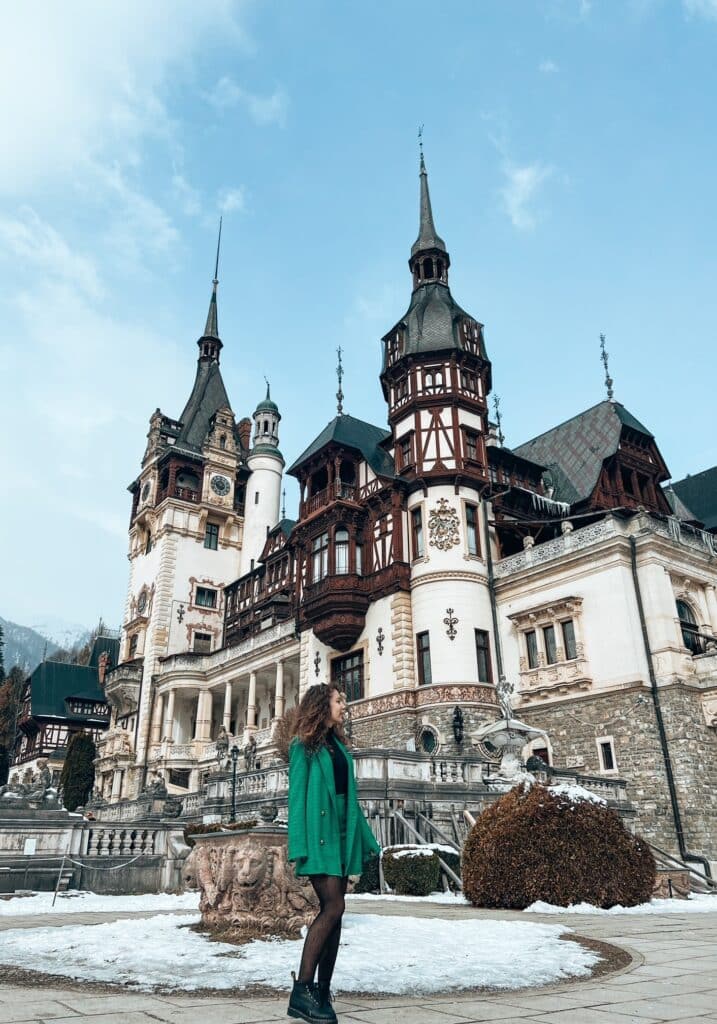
x=696 y=904
x=454 y=898
x=575 y=793
x=420 y=851
x=418 y=955
x=412 y=849
x=84 y=902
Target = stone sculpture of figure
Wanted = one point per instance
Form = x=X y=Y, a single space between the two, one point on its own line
x=156 y=786
x=222 y=744
x=250 y=755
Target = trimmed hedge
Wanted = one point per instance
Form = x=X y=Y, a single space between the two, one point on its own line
x=369 y=879
x=415 y=874
x=215 y=826
x=538 y=844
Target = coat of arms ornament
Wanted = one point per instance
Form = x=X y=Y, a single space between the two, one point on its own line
x=443 y=526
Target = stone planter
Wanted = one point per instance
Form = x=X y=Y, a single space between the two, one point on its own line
x=248 y=888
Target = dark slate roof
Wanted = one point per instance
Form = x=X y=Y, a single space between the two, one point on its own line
x=105 y=643
x=53 y=681
x=428 y=237
x=430 y=322
x=678 y=506
x=208 y=395
x=574 y=451
x=211 y=328
x=357 y=434
x=286 y=526
x=699 y=494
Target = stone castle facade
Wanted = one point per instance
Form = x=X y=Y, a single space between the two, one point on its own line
x=427 y=562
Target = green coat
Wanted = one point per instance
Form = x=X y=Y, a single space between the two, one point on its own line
x=314 y=838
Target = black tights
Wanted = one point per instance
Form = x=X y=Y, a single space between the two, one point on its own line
x=322 y=939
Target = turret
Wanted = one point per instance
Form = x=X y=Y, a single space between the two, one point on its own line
x=263 y=491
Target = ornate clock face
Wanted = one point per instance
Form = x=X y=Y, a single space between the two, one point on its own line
x=146 y=490
x=220 y=485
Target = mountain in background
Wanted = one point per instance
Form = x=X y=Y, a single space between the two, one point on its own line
x=60 y=632
x=26 y=646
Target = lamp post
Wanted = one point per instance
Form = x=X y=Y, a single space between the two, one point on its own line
x=235 y=758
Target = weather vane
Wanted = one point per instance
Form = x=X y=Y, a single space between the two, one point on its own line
x=608 y=378
x=498 y=419
x=340 y=393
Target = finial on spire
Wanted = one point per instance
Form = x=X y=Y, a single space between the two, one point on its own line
x=268 y=395
x=340 y=375
x=608 y=378
x=428 y=237
x=216 y=264
x=420 y=146
x=498 y=419
x=283 y=504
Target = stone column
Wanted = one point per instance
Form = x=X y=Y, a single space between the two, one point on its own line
x=204 y=716
x=168 y=730
x=712 y=606
x=116 y=785
x=279 y=690
x=157 y=719
x=227 y=720
x=251 y=704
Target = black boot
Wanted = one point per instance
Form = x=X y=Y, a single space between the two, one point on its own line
x=323 y=991
x=305 y=1004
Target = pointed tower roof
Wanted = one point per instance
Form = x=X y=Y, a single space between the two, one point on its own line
x=428 y=237
x=211 y=329
x=268 y=405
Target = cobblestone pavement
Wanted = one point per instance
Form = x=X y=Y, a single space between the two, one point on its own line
x=673 y=977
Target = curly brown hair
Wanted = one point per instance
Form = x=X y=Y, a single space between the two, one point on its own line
x=309 y=725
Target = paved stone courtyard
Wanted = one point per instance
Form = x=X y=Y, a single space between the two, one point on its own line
x=673 y=977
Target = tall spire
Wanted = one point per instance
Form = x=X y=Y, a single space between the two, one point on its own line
x=211 y=329
x=428 y=237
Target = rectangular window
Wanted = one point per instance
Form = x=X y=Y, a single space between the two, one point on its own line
x=551 y=651
x=571 y=650
x=359 y=559
x=206 y=597
x=148 y=543
x=406 y=452
x=202 y=643
x=133 y=641
x=341 y=551
x=211 y=536
x=485 y=674
x=423 y=654
x=319 y=557
x=471 y=445
x=417 y=532
x=531 y=646
x=347 y=674
x=606 y=750
x=472 y=529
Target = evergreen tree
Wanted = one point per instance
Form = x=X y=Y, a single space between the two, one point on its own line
x=78 y=771
x=10 y=698
x=4 y=765
x=2 y=654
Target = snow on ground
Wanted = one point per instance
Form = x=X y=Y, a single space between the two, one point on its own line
x=84 y=902
x=453 y=898
x=378 y=954
x=697 y=903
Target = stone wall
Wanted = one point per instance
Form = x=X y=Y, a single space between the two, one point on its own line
x=628 y=716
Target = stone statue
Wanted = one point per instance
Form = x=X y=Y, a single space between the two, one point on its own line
x=247 y=886
x=509 y=737
x=250 y=755
x=156 y=786
x=222 y=744
x=33 y=790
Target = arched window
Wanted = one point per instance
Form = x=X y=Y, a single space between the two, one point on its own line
x=341 y=550
x=688 y=627
x=428 y=268
x=223 y=441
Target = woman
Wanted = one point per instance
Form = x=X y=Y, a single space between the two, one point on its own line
x=329 y=838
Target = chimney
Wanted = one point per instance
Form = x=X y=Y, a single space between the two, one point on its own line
x=245 y=433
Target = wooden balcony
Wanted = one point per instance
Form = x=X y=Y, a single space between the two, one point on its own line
x=336 y=608
x=337 y=491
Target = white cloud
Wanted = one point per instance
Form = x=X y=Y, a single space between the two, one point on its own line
x=263 y=110
x=701 y=8
x=520 y=191
x=231 y=200
x=83 y=83
x=548 y=67
x=39 y=247
x=188 y=197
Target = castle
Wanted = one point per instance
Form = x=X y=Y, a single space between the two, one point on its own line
x=427 y=562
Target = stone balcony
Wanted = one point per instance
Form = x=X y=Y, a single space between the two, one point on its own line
x=203 y=663
x=122 y=686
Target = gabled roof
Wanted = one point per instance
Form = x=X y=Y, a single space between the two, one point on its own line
x=53 y=682
x=699 y=494
x=349 y=432
x=208 y=395
x=574 y=451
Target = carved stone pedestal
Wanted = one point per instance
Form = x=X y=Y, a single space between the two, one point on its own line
x=248 y=888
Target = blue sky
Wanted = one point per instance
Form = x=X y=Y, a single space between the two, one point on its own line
x=571 y=152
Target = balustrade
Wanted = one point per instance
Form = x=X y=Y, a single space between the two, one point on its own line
x=121 y=842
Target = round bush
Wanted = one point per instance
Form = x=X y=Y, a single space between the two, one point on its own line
x=543 y=843
x=411 y=870
x=369 y=880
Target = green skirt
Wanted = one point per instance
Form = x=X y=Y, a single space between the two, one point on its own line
x=341 y=811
